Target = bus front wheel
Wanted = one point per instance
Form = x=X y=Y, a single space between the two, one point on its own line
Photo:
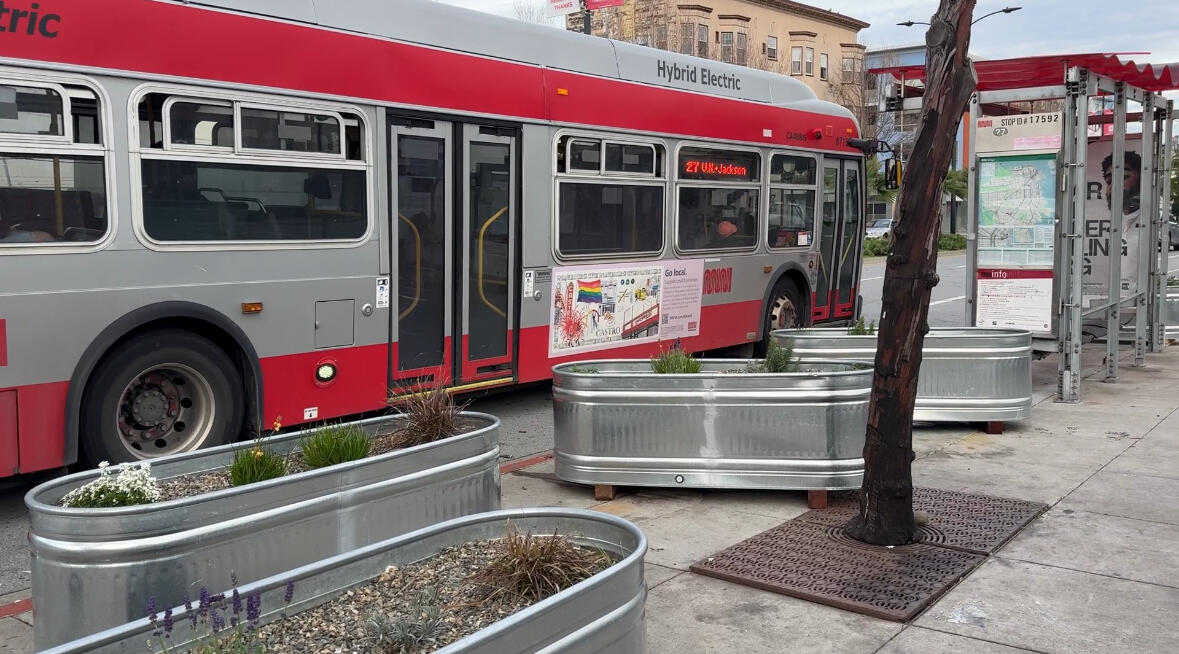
x=161 y=392
x=784 y=311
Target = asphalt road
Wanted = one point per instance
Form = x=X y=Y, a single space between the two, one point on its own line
x=525 y=412
x=947 y=304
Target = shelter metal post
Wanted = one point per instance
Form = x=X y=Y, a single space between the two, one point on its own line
x=1158 y=289
x=972 y=213
x=1148 y=230
x=1113 y=314
x=1074 y=150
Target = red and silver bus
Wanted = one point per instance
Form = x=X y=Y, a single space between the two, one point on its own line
x=215 y=217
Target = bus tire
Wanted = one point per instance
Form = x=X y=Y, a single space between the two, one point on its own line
x=161 y=392
x=784 y=311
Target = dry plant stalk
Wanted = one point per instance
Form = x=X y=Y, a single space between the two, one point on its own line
x=535 y=567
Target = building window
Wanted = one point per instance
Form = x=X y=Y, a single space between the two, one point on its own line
x=726 y=43
x=852 y=65
x=661 y=37
x=772 y=48
x=823 y=67
x=796 y=60
x=617 y=209
x=701 y=40
x=810 y=62
x=687 y=38
x=58 y=193
x=718 y=194
x=742 y=48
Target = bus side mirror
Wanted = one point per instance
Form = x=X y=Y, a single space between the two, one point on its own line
x=893 y=173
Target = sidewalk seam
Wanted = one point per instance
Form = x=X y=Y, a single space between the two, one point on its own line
x=985 y=640
x=1088 y=572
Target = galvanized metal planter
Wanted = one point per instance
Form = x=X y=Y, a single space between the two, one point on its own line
x=624 y=425
x=93 y=569
x=967 y=374
x=603 y=614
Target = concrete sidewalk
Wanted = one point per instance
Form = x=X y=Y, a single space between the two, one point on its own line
x=1098 y=572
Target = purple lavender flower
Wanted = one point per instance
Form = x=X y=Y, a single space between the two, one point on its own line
x=204 y=602
x=218 y=621
x=290 y=594
x=237 y=600
x=254 y=608
x=151 y=616
x=168 y=620
x=189 y=613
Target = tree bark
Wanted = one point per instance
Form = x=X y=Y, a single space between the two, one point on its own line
x=886 y=498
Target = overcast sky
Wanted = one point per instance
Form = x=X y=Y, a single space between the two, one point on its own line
x=1041 y=27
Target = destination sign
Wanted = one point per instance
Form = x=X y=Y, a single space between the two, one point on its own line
x=702 y=164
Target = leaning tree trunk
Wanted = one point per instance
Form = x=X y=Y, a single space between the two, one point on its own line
x=886 y=502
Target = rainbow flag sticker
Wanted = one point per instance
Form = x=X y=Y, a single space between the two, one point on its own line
x=589 y=291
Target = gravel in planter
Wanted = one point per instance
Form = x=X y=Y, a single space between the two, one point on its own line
x=438 y=601
x=189 y=485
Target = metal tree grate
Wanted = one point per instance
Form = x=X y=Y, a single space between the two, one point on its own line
x=819 y=563
x=811 y=558
x=965 y=521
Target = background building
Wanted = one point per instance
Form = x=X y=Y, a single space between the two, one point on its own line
x=816 y=46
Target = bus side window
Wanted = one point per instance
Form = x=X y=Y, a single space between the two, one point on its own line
x=250 y=172
x=59 y=195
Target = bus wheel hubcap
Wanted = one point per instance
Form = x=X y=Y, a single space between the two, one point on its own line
x=165 y=409
x=783 y=315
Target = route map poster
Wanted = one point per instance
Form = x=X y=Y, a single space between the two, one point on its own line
x=1017 y=211
x=600 y=307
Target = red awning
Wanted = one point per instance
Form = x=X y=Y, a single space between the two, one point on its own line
x=1049 y=70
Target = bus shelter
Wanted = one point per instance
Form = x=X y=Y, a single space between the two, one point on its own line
x=1049 y=138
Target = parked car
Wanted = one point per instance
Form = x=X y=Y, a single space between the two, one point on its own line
x=879 y=228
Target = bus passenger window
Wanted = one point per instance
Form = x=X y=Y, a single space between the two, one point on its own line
x=718 y=199
x=610 y=197
x=59 y=195
x=716 y=218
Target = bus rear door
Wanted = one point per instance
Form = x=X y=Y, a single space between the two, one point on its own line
x=453 y=190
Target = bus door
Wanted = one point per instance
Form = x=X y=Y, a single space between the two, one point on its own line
x=840 y=241
x=453 y=198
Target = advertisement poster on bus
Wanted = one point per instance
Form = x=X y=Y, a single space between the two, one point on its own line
x=600 y=307
x=1099 y=219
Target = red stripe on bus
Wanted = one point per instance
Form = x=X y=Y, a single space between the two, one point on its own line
x=169 y=39
x=3 y=342
x=41 y=411
x=291 y=391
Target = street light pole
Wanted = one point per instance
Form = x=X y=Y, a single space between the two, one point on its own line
x=586 y=26
x=1004 y=10
x=911 y=23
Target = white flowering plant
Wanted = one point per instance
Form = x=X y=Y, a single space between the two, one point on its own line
x=133 y=485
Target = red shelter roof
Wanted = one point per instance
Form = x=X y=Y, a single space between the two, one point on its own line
x=1049 y=70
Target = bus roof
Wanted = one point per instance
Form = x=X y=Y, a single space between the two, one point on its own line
x=434 y=24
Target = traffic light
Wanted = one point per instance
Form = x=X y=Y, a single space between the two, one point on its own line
x=892 y=97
